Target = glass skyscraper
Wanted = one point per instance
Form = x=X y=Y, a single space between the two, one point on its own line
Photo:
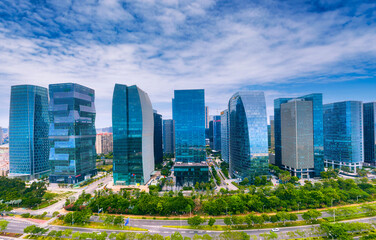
x=169 y=136
x=318 y=135
x=343 y=135
x=158 y=148
x=217 y=133
x=248 y=135
x=297 y=138
x=72 y=133
x=28 y=132
x=133 y=135
x=189 y=116
x=369 y=117
x=224 y=136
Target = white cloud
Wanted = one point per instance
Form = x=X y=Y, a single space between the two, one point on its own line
x=177 y=45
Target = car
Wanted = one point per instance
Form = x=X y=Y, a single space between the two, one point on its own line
x=275 y=230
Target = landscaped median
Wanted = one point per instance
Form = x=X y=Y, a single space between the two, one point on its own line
x=97 y=225
x=246 y=227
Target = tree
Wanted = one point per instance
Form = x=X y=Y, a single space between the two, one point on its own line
x=211 y=222
x=274 y=218
x=265 y=217
x=283 y=216
x=257 y=181
x=237 y=220
x=176 y=236
x=49 y=196
x=195 y=221
x=311 y=215
x=293 y=217
x=34 y=230
x=119 y=220
x=3 y=225
x=227 y=221
x=270 y=235
x=245 y=181
x=109 y=220
x=249 y=220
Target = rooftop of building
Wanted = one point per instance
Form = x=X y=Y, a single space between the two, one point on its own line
x=181 y=164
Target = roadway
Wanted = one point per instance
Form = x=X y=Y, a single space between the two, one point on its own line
x=155 y=227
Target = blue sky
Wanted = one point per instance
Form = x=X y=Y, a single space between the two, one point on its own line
x=286 y=48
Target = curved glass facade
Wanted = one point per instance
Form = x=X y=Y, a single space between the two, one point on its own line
x=133 y=135
x=72 y=132
x=28 y=132
x=248 y=135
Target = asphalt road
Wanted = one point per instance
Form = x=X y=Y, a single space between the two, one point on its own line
x=155 y=226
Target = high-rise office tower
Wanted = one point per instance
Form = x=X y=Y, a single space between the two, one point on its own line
x=369 y=118
x=169 y=136
x=210 y=134
x=104 y=143
x=207 y=117
x=28 y=132
x=248 y=135
x=4 y=160
x=297 y=138
x=343 y=135
x=224 y=136
x=188 y=108
x=1 y=136
x=272 y=138
x=318 y=136
x=189 y=116
x=217 y=133
x=158 y=146
x=72 y=133
x=133 y=129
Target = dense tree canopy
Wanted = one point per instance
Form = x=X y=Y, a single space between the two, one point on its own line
x=285 y=197
x=15 y=189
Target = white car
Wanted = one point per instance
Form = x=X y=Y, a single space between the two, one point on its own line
x=275 y=230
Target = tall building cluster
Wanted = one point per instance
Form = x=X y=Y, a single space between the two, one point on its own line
x=52 y=133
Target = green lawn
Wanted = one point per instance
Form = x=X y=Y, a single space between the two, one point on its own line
x=45 y=204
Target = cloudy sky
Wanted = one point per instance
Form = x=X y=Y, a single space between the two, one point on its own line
x=286 y=48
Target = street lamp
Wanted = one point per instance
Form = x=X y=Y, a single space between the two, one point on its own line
x=298 y=206
x=263 y=208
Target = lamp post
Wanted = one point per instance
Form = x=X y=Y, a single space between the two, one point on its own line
x=263 y=208
x=298 y=207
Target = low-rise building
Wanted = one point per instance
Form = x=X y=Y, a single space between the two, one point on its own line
x=188 y=174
